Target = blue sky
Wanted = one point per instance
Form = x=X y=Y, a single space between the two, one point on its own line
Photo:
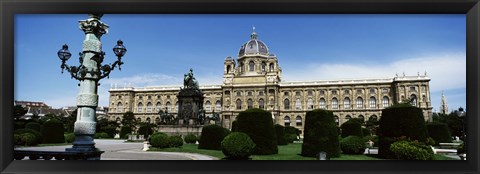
x=161 y=48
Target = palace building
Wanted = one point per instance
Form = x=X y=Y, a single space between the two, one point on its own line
x=254 y=80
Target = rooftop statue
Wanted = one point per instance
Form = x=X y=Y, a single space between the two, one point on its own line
x=189 y=81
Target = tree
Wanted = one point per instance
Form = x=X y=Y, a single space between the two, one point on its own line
x=129 y=120
x=19 y=111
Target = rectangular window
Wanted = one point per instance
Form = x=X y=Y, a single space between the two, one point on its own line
x=412 y=88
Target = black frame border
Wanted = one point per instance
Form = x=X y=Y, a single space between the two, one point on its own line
x=8 y=8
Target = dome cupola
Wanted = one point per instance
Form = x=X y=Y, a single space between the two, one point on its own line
x=253 y=47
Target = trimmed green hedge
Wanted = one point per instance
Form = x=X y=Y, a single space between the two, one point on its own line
x=175 y=141
x=320 y=134
x=439 y=132
x=237 y=145
x=407 y=150
x=402 y=120
x=258 y=125
x=280 y=131
x=351 y=127
x=52 y=131
x=191 y=139
x=291 y=134
x=38 y=136
x=352 y=145
x=160 y=140
x=211 y=137
x=69 y=137
x=33 y=125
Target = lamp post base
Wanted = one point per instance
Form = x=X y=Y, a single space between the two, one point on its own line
x=82 y=143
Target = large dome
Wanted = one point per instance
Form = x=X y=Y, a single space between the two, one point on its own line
x=253 y=47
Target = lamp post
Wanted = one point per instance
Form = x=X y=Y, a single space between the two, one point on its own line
x=462 y=114
x=89 y=73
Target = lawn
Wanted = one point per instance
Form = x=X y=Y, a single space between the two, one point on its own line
x=287 y=152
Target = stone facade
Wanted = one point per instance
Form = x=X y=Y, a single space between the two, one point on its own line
x=253 y=80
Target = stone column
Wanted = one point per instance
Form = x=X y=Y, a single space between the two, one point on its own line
x=87 y=99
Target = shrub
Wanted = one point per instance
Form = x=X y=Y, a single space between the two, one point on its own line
x=258 y=125
x=17 y=139
x=191 y=139
x=28 y=139
x=33 y=125
x=211 y=137
x=430 y=141
x=397 y=121
x=439 y=132
x=234 y=126
x=280 y=131
x=320 y=134
x=38 y=136
x=101 y=135
x=124 y=131
x=160 y=140
x=237 y=145
x=69 y=137
x=352 y=127
x=461 y=149
x=290 y=138
x=175 y=141
x=366 y=132
x=373 y=138
x=52 y=131
x=407 y=150
x=352 y=145
x=145 y=129
x=291 y=134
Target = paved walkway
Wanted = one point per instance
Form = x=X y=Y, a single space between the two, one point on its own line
x=120 y=150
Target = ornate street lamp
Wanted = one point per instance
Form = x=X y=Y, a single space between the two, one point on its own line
x=89 y=73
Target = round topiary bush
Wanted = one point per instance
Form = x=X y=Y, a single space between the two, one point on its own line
x=175 y=141
x=352 y=145
x=291 y=134
x=33 y=125
x=407 y=150
x=237 y=145
x=38 y=136
x=160 y=140
x=69 y=137
x=351 y=127
x=280 y=131
x=191 y=139
x=401 y=120
x=28 y=139
x=258 y=125
x=211 y=137
x=320 y=134
x=52 y=131
x=439 y=132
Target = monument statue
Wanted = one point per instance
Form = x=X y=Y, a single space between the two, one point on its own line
x=190 y=100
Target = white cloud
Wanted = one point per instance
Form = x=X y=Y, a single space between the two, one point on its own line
x=446 y=71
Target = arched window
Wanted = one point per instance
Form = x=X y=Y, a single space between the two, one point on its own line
x=310 y=103
x=118 y=120
x=140 y=107
x=286 y=104
x=298 y=120
x=385 y=102
x=139 y=119
x=157 y=120
x=239 y=104
x=168 y=107
x=348 y=117
x=372 y=102
x=149 y=107
x=272 y=67
x=346 y=103
x=359 y=103
x=361 y=117
x=119 y=107
x=208 y=106
x=218 y=106
x=251 y=66
x=228 y=69
x=148 y=119
x=322 y=103
x=337 y=120
x=264 y=66
x=158 y=106
x=261 y=103
x=249 y=103
x=334 y=103
x=298 y=104
x=413 y=99
x=286 y=120
x=373 y=118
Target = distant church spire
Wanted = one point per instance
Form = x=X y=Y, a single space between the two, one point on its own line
x=444 y=106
